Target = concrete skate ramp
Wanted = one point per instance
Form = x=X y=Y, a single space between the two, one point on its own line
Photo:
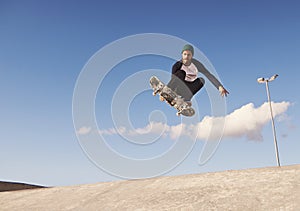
x=254 y=189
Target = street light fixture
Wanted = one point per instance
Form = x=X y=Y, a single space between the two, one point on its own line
x=266 y=81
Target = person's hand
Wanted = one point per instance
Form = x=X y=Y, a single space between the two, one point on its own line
x=223 y=91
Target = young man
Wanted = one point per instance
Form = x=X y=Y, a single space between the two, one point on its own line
x=184 y=79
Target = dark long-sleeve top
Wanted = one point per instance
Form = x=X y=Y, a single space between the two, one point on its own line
x=201 y=68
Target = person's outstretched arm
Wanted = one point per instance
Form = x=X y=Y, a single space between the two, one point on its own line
x=210 y=77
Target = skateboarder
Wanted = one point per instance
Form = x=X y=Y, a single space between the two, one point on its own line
x=184 y=80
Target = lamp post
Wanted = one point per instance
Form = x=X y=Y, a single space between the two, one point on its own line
x=266 y=81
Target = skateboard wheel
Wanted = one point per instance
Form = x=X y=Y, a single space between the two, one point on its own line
x=178 y=113
x=154 y=93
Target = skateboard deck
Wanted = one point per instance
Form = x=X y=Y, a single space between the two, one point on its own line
x=171 y=97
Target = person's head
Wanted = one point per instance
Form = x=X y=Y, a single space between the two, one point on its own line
x=187 y=54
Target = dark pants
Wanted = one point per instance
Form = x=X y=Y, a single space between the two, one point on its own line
x=185 y=88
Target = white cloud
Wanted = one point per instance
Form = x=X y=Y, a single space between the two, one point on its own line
x=246 y=121
x=249 y=121
x=112 y=131
x=84 y=130
x=152 y=127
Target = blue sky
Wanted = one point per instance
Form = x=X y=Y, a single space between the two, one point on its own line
x=45 y=45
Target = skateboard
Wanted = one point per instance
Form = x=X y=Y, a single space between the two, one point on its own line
x=171 y=97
